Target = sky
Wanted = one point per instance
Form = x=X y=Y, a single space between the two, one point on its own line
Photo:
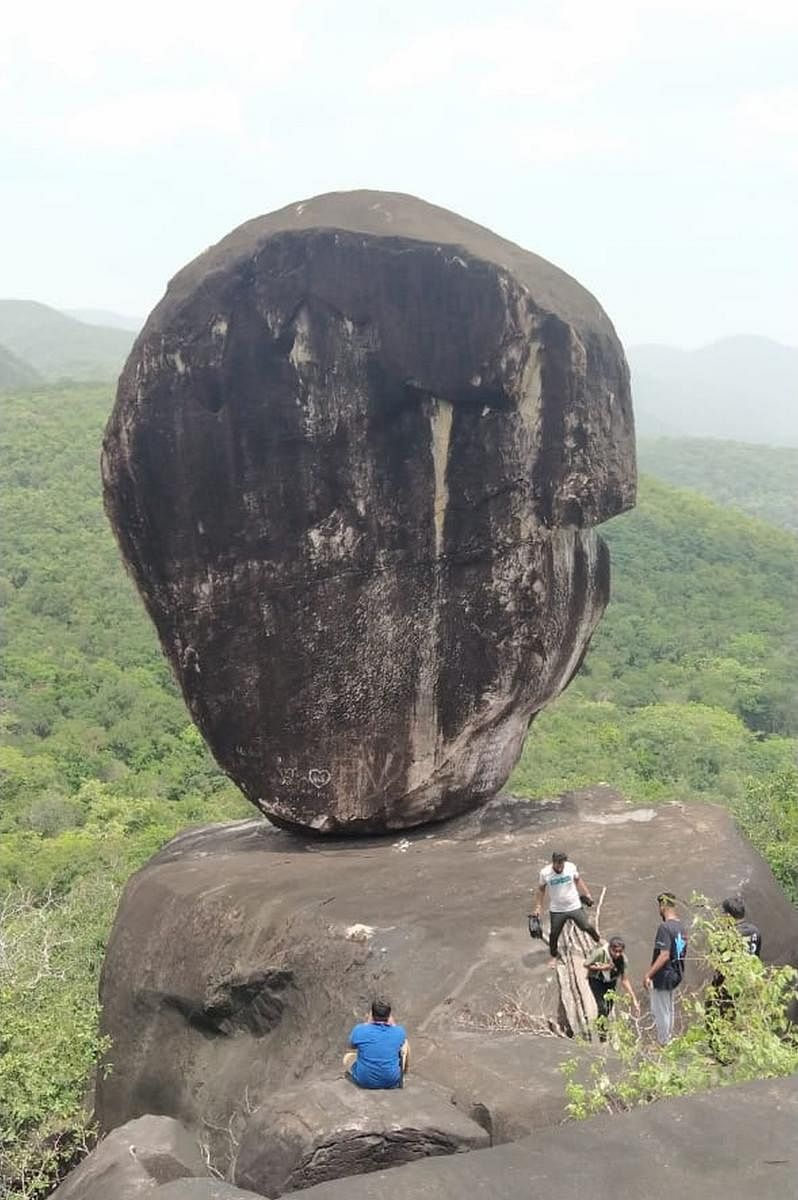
x=649 y=149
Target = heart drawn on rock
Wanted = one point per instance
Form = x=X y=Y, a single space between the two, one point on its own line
x=318 y=777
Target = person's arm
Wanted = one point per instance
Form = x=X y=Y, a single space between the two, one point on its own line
x=582 y=888
x=627 y=987
x=541 y=892
x=657 y=965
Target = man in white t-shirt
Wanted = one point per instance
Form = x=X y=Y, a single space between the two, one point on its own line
x=567 y=894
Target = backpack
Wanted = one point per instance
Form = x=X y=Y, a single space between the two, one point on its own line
x=674 y=970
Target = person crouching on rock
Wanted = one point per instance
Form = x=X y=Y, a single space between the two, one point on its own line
x=380 y=1054
x=605 y=967
x=567 y=894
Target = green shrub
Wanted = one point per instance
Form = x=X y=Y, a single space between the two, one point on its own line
x=50 y=957
x=747 y=1037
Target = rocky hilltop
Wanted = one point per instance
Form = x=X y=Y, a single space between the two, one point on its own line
x=355 y=464
x=242 y=955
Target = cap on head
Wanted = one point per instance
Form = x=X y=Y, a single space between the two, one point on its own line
x=733 y=907
x=380 y=1010
x=666 y=900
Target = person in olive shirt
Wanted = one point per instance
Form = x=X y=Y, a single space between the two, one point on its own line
x=605 y=967
x=667 y=966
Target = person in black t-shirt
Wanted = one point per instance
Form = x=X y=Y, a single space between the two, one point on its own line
x=752 y=939
x=718 y=997
x=667 y=966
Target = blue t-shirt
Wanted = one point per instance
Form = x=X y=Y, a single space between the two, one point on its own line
x=378 y=1047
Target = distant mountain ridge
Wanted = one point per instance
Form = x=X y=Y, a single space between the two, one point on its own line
x=50 y=345
x=740 y=388
x=104 y=316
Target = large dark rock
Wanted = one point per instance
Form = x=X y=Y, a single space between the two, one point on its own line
x=200 y=1189
x=354 y=465
x=735 y=1144
x=242 y=955
x=328 y=1129
x=133 y=1160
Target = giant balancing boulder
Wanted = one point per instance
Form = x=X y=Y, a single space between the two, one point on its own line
x=355 y=462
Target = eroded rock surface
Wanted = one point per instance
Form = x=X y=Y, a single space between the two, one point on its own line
x=328 y=1129
x=732 y=1144
x=355 y=462
x=133 y=1160
x=242 y=955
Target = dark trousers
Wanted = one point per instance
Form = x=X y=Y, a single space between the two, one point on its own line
x=603 y=994
x=558 y=919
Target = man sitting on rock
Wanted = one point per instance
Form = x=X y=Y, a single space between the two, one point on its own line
x=380 y=1054
x=567 y=894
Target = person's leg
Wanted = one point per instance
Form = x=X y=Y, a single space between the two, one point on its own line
x=599 y=989
x=557 y=920
x=671 y=1011
x=661 y=1001
x=350 y=1058
x=404 y=1056
x=579 y=918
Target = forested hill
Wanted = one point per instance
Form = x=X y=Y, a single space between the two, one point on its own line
x=14 y=373
x=759 y=480
x=55 y=346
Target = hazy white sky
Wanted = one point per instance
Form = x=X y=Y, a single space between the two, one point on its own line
x=650 y=149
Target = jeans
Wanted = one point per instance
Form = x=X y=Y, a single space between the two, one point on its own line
x=350 y=1058
x=558 y=919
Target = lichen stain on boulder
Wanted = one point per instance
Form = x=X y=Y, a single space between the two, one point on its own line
x=354 y=464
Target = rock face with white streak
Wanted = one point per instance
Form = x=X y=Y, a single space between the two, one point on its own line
x=355 y=462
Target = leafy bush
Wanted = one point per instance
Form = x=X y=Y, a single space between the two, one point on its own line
x=50 y=958
x=768 y=814
x=737 y=1031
